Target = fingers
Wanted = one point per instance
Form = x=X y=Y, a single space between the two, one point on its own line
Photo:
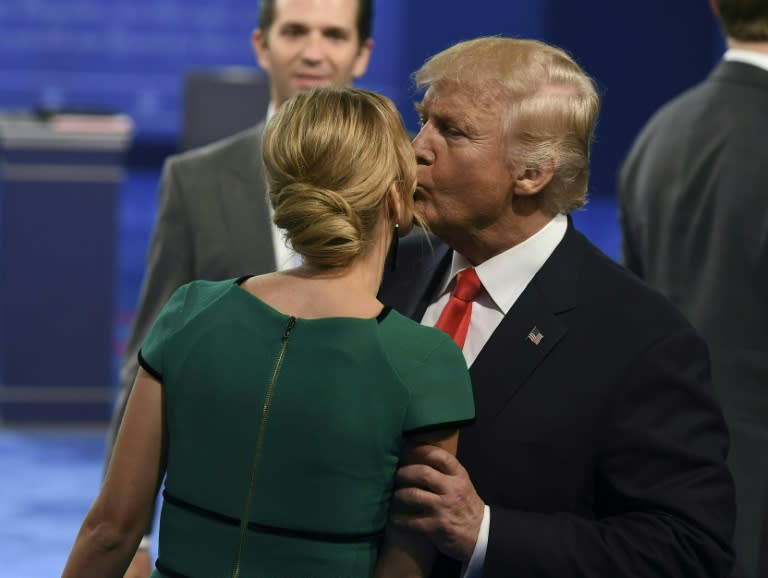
x=451 y=520
x=435 y=496
x=415 y=509
x=423 y=490
x=416 y=499
x=437 y=458
x=421 y=476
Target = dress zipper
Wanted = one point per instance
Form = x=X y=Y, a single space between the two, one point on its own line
x=260 y=442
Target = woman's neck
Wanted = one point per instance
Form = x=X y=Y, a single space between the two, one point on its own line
x=363 y=276
x=365 y=272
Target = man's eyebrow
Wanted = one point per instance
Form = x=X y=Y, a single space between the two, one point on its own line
x=337 y=30
x=460 y=120
x=293 y=24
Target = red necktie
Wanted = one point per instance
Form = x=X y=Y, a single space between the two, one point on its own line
x=454 y=319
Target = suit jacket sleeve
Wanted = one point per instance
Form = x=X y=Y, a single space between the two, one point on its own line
x=665 y=499
x=169 y=266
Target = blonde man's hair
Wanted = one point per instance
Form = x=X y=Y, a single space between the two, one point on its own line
x=549 y=106
x=331 y=154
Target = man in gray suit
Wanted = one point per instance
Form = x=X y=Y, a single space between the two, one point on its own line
x=693 y=197
x=214 y=220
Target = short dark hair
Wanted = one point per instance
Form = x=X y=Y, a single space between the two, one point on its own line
x=364 y=17
x=745 y=20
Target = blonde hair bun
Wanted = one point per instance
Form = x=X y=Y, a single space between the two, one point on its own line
x=321 y=225
x=331 y=156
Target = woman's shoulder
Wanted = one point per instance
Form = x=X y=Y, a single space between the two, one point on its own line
x=415 y=342
x=433 y=370
x=396 y=321
x=195 y=296
x=203 y=290
x=183 y=306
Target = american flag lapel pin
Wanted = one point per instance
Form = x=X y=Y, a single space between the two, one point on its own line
x=535 y=336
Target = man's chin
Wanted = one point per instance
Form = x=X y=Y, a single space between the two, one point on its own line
x=421 y=208
x=308 y=84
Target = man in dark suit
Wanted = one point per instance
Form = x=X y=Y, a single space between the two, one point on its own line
x=214 y=221
x=693 y=195
x=598 y=449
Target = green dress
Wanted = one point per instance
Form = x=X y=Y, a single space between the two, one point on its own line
x=283 y=434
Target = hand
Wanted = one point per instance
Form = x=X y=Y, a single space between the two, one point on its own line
x=436 y=497
x=141 y=565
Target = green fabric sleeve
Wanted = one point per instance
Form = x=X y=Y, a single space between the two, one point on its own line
x=168 y=320
x=441 y=391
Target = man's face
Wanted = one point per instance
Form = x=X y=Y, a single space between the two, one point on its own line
x=465 y=184
x=311 y=43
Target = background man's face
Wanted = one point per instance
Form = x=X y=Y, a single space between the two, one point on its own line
x=311 y=43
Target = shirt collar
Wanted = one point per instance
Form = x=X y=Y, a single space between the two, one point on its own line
x=270 y=111
x=747 y=56
x=506 y=275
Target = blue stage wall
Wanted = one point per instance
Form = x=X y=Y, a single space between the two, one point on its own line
x=131 y=55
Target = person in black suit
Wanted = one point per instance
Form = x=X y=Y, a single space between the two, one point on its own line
x=598 y=448
x=694 y=215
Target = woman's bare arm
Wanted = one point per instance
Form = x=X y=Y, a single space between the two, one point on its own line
x=408 y=554
x=120 y=514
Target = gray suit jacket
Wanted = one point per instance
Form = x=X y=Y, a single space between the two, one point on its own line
x=693 y=197
x=213 y=223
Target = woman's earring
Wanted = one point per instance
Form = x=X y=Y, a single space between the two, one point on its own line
x=393 y=247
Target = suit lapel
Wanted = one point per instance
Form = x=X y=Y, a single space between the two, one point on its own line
x=420 y=269
x=245 y=202
x=426 y=286
x=529 y=320
x=511 y=354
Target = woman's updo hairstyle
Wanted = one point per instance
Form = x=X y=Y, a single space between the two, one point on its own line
x=331 y=154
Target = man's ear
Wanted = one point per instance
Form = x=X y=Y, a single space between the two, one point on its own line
x=715 y=9
x=259 y=45
x=362 y=59
x=534 y=179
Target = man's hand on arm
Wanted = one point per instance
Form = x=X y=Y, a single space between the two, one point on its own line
x=437 y=497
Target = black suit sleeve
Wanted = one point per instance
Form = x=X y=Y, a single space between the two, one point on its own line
x=664 y=498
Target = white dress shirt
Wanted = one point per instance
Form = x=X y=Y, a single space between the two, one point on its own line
x=504 y=278
x=747 y=56
x=285 y=256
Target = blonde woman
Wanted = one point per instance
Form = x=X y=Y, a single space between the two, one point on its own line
x=279 y=406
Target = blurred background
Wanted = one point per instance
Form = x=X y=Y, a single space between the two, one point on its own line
x=141 y=79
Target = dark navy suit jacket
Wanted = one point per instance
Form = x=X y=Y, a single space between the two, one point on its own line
x=600 y=450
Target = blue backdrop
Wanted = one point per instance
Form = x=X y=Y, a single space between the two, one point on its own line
x=131 y=55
